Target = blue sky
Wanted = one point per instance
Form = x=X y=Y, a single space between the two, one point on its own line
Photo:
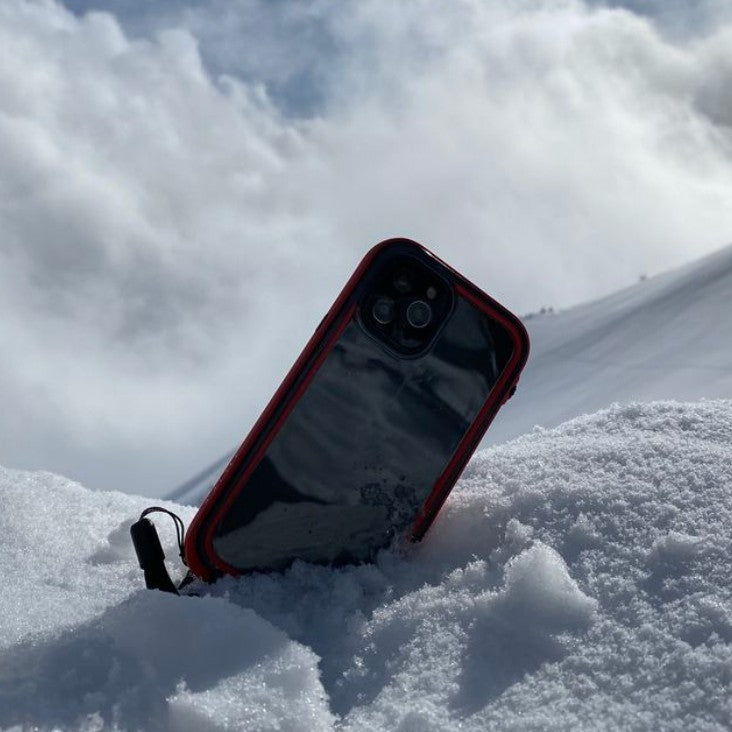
x=293 y=46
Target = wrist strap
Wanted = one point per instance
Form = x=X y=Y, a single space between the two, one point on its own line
x=150 y=552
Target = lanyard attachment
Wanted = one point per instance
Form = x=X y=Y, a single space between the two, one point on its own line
x=150 y=552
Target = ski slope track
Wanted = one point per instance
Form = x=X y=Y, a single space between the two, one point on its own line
x=578 y=578
x=667 y=337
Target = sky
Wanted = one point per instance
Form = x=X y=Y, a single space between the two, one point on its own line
x=184 y=188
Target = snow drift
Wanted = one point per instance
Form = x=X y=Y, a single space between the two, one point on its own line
x=577 y=577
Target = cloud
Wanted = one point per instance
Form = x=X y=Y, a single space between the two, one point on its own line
x=184 y=189
x=678 y=19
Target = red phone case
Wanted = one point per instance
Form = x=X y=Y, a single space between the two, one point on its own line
x=199 y=550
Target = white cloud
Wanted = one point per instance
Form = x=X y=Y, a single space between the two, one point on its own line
x=169 y=239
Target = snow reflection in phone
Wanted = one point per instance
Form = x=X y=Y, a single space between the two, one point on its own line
x=385 y=425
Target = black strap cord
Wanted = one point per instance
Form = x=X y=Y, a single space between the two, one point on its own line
x=150 y=553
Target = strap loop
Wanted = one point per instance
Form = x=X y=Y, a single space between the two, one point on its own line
x=150 y=552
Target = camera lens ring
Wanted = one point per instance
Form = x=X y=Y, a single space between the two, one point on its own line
x=383 y=310
x=419 y=314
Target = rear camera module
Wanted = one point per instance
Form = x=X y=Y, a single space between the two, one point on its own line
x=405 y=302
x=383 y=310
x=419 y=314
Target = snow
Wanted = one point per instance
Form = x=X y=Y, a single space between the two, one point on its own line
x=578 y=577
x=667 y=337
x=85 y=647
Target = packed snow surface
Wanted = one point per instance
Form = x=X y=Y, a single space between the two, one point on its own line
x=578 y=577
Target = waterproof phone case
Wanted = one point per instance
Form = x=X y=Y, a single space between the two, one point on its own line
x=370 y=429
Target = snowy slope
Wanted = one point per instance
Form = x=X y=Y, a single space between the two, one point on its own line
x=577 y=578
x=668 y=337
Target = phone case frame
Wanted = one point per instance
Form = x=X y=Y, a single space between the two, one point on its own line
x=199 y=551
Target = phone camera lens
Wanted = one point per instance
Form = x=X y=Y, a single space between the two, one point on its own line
x=419 y=314
x=402 y=283
x=383 y=310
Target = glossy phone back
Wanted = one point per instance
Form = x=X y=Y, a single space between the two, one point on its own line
x=371 y=428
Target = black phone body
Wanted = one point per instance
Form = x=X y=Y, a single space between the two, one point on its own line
x=373 y=424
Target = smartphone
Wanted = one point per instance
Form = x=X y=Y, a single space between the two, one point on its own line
x=372 y=426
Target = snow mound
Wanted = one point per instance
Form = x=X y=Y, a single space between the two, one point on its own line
x=578 y=577
x=84 y=647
